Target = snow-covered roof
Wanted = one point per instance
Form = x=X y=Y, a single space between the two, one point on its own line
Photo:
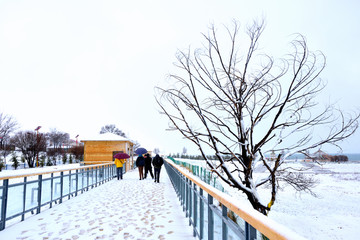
x=106 y=137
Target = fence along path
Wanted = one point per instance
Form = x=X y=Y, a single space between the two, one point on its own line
x=125 y=209
x=191 y=190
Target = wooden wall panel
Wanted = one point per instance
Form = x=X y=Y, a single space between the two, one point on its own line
x=103 y=150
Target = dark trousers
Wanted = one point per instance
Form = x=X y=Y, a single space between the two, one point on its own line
x=157 y=174
x=141 y=172
x=148 y=168
x=119 y=172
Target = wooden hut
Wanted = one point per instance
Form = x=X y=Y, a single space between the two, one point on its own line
x=103 y=147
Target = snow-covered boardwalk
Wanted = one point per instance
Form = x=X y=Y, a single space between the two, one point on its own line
x=125 y=209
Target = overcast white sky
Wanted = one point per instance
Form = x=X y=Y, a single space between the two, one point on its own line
x=79 y=65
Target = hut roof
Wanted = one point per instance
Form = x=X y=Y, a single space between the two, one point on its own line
x=107 y=137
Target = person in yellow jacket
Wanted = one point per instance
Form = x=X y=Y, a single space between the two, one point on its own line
x=119 y=167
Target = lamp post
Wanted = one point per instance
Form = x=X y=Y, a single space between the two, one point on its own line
x=37 y=143
x=1 y=148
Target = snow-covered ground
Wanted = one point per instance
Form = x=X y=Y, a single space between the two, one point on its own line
x=153 y=211
x=125 y=209
x=333 y=214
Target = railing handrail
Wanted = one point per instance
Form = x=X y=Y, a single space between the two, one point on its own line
x=52 y=171
x=263 y=224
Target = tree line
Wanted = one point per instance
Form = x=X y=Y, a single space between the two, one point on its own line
x=36 y=148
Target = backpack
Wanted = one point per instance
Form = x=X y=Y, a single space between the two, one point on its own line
x=157 y=161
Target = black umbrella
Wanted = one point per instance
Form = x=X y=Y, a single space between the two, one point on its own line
x=141 y=151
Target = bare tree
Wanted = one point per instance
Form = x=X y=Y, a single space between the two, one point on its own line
x=156 y=151
x=184 y=151
x=30 y=144
x=7 y=125
x=243 y=105
x=111 y=128
x=136 y=145
x=57 y=138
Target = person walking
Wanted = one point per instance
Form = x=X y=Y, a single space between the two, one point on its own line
x=140 y=163
x=148 y=167
x=119 y=167
x=157 y=163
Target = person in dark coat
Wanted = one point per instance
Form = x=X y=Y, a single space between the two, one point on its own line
x=140 y=163
x=157 y=163
x=148 y=167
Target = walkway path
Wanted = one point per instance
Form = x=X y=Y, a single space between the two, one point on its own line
x=125 y=209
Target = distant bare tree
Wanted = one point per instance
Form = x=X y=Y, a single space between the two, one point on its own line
x=31 y=144
x=244 y=105
x=136 y=146
x=57 y=138
x=184 y=151
x=6 y=149
x=111 y=128
x=7 y=125
x=156 y=151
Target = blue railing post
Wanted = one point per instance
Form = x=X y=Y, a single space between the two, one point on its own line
x=82 y=180
x=190 y=192
x=201 y=214
x=39 y=194
x=182 y=192
x=195 y=209
x=96 y=178
x=250 y=232
x=24 y=199
x=210 y=218
x=61 y=186
x=77 y=182
x=187 y=209
x=69 y=184
x=224 y=226
x=4 y=203
x=103 y=174
x=92 y=178
x=110 y=173
x=51 y=189
x=87 y=179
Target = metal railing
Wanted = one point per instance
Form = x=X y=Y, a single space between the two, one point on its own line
x=23 y=195
x=204 y=174
x=208 y=210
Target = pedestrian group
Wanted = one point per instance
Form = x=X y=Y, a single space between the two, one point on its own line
x=145 y=163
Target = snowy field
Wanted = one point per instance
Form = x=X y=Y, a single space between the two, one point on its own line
x=333 y=214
